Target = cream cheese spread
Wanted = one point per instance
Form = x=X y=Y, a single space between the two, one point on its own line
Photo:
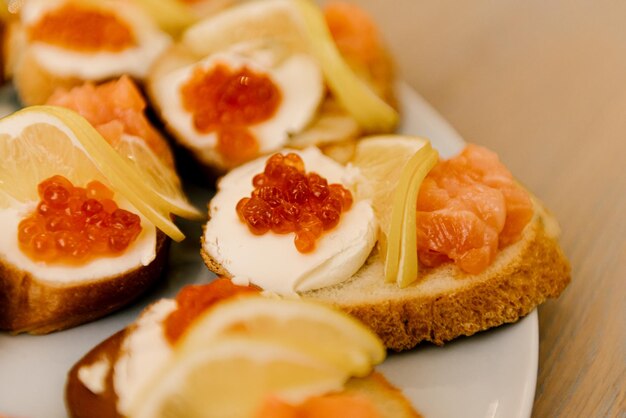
x=272 y=261
x=143 y=352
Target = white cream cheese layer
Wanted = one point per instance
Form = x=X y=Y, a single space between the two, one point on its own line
x=93 y=376
x=139 y=253
x=298 y=78
x=272 y=261
x=143 y=352
x=135 y=60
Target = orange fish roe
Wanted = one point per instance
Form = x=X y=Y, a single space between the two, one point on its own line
x=286 y=199
x=327 y=406
x=73 y=224
x=467 y=208
x=81 y=28
x=114 y=108
x=193 y=300
x=227 y=102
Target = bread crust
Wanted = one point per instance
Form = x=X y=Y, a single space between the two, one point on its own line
x=31 y=305
x=82 y=403
x=445 y=303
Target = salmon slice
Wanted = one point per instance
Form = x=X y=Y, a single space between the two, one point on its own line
x=114 y=108
x=327 y=406
x=469 y=207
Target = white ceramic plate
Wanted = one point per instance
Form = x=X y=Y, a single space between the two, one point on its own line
x=489 y=375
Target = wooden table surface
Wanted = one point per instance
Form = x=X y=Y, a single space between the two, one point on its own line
x=544 y=85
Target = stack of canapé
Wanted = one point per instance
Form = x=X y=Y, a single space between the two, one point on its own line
x=333 y=238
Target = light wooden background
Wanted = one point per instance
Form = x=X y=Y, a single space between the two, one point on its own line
x=544 y=84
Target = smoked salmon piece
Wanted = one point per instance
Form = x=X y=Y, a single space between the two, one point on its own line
x=469 y=207
x=114 y=108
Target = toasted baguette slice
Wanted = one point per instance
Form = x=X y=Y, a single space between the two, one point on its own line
x=331 y=127
x=28 y=304
x=82 y=403
x=445 y=303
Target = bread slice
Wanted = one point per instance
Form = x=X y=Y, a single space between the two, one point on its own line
x=83 y=403
x=28 y=304
x=445 y=303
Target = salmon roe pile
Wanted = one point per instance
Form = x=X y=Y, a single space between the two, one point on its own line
x=74 y=224
x=82 y=29
x=287 y=199
x=193 y=300
x=227 y=102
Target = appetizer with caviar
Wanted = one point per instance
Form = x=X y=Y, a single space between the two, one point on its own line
x=224 y=351
x=86 y=212
x=265 y=74
x=419 y=249
x=63 y=43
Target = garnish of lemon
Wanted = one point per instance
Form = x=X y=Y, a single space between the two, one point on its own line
x=173 y=16
x=244 y=350
x=40 y=141
x=300 y=26
x=394 y=167
x=296 y=324
x=369 y=110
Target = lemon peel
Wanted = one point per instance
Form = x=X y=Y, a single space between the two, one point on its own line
x=401 y=263
x=247 y=348
x=367 y=108
x=124 y=178
x=296 y=324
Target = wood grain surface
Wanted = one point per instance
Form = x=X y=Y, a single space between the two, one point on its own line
x=544 y=85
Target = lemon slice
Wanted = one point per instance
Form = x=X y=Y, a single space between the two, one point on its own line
x=401 y=264
x=161 y=178
x=369 y=110
x=320 y=332
x=172 y=16
x=230 y=378
x=394 y=167
x=38 y=141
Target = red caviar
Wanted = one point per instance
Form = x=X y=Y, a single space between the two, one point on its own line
x=83 y=29
x=74 y=224
x=286 y=199
x=227 y=102
x=193 y=300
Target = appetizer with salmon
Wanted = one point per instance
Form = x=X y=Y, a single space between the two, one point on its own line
x=266 y=74
x=418 y=248
x=63 y=43
x=224 y=351
x=86 y=212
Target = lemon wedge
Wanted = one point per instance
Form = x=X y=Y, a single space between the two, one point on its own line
x=348 y=344
x=369 y=110
x=244 y=349
x=401 y=264
x=39 y=141
x=230 y=378
x=394 y=167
